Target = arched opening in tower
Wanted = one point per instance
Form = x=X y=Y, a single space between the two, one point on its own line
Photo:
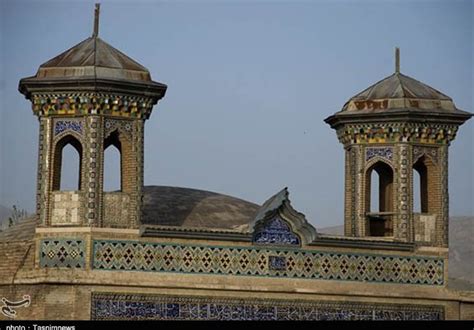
x=417 y=191
x=379 y=199
x=112 y=163
x=67 y=164
x=423 y=167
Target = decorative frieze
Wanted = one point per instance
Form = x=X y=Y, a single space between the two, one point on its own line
x=62 y=253
x=92 y=104
x=256 y=261
x=393 y=132
x=110 y=306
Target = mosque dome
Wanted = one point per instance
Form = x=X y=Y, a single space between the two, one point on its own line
x=174 y=206
x=186 y=207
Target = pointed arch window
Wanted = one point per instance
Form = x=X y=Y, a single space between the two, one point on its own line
x=379 y=221
x=67 y=164
x=425 y=169
x=113 y=162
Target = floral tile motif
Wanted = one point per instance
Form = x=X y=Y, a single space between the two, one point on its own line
x=384 y=152
x=64 y=125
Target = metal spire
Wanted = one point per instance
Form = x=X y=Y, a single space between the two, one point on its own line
x=96 y=20
x=397 y=60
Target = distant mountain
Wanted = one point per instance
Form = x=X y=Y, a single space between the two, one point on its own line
x=334 y=230
x=461 y=251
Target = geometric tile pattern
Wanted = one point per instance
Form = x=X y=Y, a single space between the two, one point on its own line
x=254 y=261
x=69 y=253
x=275 y=232
x=394 y=132
x=110 y=306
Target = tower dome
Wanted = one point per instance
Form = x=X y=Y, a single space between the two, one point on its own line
x=93 y=65
x=398 y=95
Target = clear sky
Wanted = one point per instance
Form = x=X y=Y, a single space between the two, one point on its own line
x=249 y=84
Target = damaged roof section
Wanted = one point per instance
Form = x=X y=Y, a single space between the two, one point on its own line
x=280 y=205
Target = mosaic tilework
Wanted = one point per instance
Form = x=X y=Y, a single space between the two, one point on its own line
x=68 y=253
x=405 y=227
x=124 y=126
x=91 y=103
x=64 y=125
x=254 y=261
x=445 y=196
x=43 y=182
x=109 y=306
x=275 y=232
x=432 y=152
x=276 y=263
x=394 y=132
x=384 y=152
x=94 y=169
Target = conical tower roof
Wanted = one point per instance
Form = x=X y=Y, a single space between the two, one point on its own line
x=93 y=57
x=398 y=96
x=92 y=65
x=399 y=91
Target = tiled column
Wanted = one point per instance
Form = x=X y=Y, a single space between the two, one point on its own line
x=349 y=192
x=402 y=228
x=44 y=177
x=359 y=210
x=443 y=227
x=93 y=170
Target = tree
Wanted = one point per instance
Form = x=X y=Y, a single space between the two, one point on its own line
x=17 y=215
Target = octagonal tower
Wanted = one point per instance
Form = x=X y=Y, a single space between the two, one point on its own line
x=91 y=96
x=395 y=127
